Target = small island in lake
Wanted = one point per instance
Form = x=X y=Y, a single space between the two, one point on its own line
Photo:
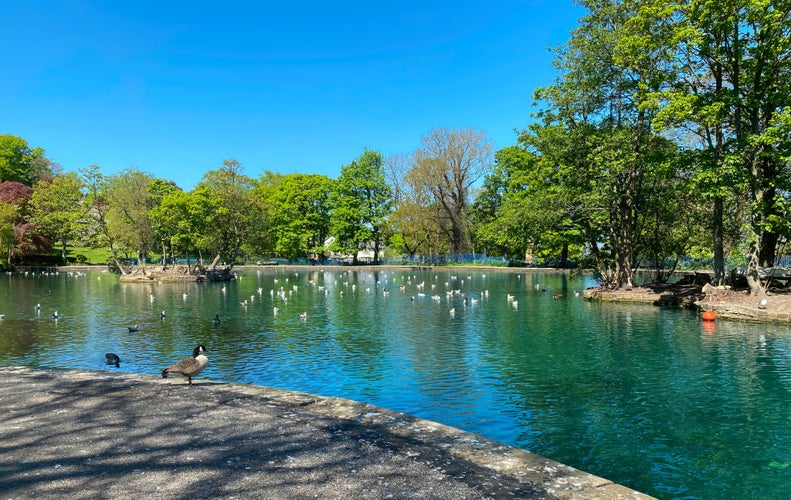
x=147 y=274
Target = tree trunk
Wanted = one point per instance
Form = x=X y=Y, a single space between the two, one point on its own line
x=214 y=262
x=63 y=250
x=717 y=230
x=756 y=238
x=753 y=280
x=564 y=255
x=626 y=212
x=766 y=258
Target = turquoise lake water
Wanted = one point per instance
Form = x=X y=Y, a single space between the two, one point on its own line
x=652 y=398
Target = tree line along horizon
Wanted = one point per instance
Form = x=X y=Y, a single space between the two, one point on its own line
x=666 y=133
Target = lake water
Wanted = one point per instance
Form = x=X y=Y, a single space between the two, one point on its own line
x=648 y=397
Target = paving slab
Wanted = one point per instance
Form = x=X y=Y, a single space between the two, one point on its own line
x=83 y=434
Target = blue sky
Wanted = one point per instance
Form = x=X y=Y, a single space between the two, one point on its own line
x=173 y=88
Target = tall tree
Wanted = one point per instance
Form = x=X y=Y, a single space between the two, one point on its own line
x=97 y=207
x=599 y=101
x=360 y=204
x=181 y=221
x=57 y=208
x=156 y=191
x=499 y=214
x=761 y=64
x=447 y=166
x=300 y=214
x=128 y=218
x=21 y=163
x=732 y=92
x=233 y=216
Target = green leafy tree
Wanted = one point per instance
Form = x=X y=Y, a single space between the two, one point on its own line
x=181 y=221
x=599 y=102
x=97 y=207
x=263 y=241
x=21 y=163
x=128 y=218
x=57 y=208
x=8 y=217
x=300 y=214
x=698 y=105
x=360 y=204
x=497 y=215
x=156 y=191
x=732 y=92
x=233 y=214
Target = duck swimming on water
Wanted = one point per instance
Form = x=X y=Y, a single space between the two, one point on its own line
x=112 y=359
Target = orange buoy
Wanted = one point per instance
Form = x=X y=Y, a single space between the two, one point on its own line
x=709 y=315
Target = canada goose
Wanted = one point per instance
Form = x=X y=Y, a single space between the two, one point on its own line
x=112 y=359
x=189 y=367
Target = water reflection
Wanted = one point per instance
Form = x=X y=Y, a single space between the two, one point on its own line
x=650 y=397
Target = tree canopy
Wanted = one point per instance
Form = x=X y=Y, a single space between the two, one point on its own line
x=21 y=163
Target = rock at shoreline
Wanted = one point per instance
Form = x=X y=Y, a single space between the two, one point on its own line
x=724 y=301
x=661 y=294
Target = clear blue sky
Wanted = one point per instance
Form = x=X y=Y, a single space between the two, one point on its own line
x=173 y=88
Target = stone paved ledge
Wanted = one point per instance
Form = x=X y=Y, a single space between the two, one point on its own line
x=83 y=434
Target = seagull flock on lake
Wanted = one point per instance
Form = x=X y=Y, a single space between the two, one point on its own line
x=453 y=294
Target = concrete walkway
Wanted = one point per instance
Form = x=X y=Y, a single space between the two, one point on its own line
x=81 y=434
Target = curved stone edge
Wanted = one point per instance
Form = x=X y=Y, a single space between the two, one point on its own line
x=561 y=481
